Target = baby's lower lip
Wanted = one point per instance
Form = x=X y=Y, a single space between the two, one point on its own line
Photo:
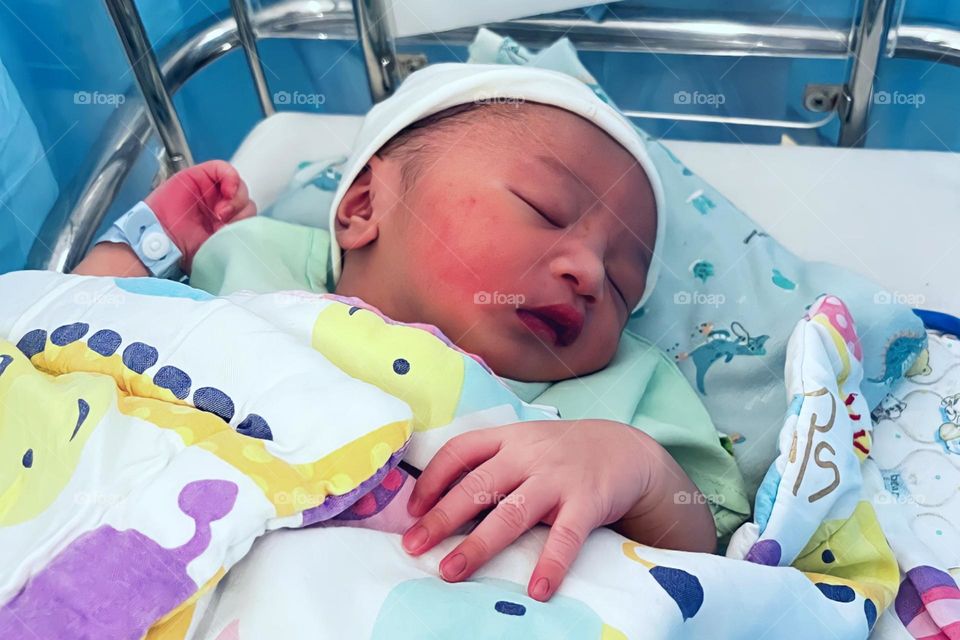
x=538 y=326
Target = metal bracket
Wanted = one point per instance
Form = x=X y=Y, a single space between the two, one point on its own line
x=410 y=62
x=871 y=36
x=376 y=32
x=821 y=98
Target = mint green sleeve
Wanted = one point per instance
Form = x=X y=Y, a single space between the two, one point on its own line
x=261 y=254
x=643 y=387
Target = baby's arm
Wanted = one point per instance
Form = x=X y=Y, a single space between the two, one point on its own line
x=191 y=206
x=575 y=475
x=673 y=514
x=111 y=259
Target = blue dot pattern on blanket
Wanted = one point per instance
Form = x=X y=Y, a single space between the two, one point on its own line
x=684 y=588
x=174 y=379
x=255 y=427
x=161 y=288
x=510 y=608
x=32 y=342
x=401 y=366
x=837 y=592
x=870 y=611
x=105 y=342
x=83 y=410
x=139 y=357
x=62 y=336
x=214 y=401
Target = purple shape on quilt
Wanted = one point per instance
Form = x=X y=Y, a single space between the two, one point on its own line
x=919 y=580
x=907 y=603
x=335 y=505
x=376 y=500
x=926 y=577
x=765 y=552
x=116 y=584
x=205 y=501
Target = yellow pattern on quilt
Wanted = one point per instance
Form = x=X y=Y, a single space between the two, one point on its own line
x=424 y=372
x=45 y=421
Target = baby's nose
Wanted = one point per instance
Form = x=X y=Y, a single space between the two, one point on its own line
x=584 y=272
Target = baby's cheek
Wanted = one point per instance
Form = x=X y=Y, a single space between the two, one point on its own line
x=471 y=246
x=601 y=343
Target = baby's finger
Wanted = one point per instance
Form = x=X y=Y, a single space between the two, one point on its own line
x=227 y=178
x=247 y=212
x=240 y=197
x=223 y=211
x=513 y=515
x=567 y=535
x=476 y=492
x=459 y=455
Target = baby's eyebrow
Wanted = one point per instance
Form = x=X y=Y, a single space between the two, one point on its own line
x=558 y=165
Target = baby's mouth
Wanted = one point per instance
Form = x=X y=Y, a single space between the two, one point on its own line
x=557 y=324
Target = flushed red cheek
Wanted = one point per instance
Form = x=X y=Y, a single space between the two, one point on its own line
x=469 y=246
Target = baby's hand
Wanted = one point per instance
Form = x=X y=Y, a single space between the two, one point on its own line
x=573 y=475
x=196 y=202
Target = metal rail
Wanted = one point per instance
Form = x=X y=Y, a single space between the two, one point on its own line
x=68 y=229
x=334 y=20
x=376 y=33
x=160 y=109
x=78 y=212
x=248 y=39
x=925 y=42
x=855 y=102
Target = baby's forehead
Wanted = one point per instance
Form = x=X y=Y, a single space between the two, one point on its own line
x=558 y=148
x=573 y=147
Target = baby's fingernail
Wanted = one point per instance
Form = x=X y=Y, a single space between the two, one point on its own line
x=541 y=589
x=453 y=566
x=414 y=538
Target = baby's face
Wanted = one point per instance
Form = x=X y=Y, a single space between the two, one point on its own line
x=527 y=243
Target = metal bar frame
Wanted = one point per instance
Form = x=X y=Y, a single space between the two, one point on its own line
x=248 y=40
x=871 y=36
x=376 y=33
x=143 y=62
x=78 y=212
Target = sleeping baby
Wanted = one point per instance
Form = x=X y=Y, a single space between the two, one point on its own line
x=519 y=214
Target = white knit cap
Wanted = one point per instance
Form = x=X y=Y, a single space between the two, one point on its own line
x=441 y=86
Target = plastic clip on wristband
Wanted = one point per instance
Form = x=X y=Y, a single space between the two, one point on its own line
x=140 y=229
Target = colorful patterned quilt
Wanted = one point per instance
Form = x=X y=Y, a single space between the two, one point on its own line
x=151 y=434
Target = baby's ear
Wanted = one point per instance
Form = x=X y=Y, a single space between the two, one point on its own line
x=357 y=224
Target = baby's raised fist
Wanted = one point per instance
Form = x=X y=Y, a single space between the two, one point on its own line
x=198 y=201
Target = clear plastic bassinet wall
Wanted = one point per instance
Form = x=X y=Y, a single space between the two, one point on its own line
x=63 y=73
